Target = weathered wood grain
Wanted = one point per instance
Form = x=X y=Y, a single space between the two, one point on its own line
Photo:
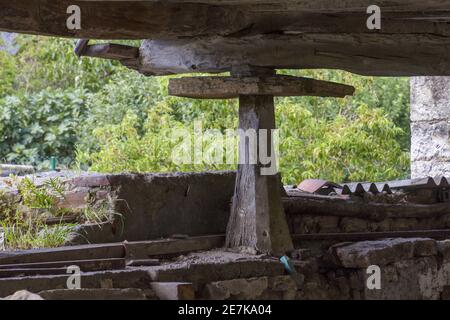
x=185 y=18
x=257 y=219
x=233 y=87
x=379 y=55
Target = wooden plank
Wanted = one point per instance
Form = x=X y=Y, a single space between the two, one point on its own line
x=366 y=236
x=130 y=250
x=118 y=19
x=83 y=252
x=85 y=265
x=10 y=273
x=167 y=247
x=233 y=87
x=157 y=19
x=316 y=205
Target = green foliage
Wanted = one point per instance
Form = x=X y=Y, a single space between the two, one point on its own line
x=359 y=147
x=23 y=218
x=52 y=103
x=356 y=147
x=34 y=127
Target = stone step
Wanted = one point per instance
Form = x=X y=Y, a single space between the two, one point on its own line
x=174 y=290
x=97 y=294
x=201 y=272
x=89 y=280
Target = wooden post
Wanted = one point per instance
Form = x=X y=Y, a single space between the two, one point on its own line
x=257 y=221
x=257 y=217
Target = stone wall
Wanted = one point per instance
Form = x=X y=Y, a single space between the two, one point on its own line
x=430 y=126
x=152 y=206
x=411 y=269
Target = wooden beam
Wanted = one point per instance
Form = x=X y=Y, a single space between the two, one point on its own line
x=85 y=265
x=111 y=51
x=233 y=87
x=130 y=250
x=374 y=54
x=316 y=205
x=257 y=219
x=367 y=236
x=185 y=18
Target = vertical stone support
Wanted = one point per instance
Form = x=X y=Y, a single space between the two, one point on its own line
x=430 y=126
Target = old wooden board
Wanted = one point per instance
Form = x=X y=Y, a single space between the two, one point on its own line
x=371 y=54
x=233 y=87
x=367 y=236
x=163 y=19
x=97 y=252
x=84 y=265
x=211 y=35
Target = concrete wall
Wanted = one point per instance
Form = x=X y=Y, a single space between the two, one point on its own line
x=430 y=126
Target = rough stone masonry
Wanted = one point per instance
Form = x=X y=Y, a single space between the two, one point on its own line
x=430 y=126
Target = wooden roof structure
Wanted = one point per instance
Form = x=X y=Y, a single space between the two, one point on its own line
x=414 y=38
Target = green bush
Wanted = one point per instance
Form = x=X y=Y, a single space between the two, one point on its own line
x=34 y=127
x=359 y=147
x=52 y=103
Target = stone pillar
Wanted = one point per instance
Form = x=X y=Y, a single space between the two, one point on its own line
x=430 y=126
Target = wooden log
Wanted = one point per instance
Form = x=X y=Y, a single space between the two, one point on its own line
x=169 y=247
x=371 y=54
x=118 y=19
x=111 y=51
x=130 y=250
x=257 y=219
x=181 y=18
x=11 y=273
x=315 y=205
x=233 y=87
x=84 y=252
x=367 y=236
x=85 y=265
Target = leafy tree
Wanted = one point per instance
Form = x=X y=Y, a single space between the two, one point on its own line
x=113 y=119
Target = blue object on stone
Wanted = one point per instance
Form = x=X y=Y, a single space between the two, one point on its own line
x=287 y=263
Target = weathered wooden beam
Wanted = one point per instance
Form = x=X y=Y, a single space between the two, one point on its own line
x=366 y=236
x=158 y=19
x=11 y=273
x=315 y=205
x=233 y=87
x=118 y=19
x=372 y=54
x=167 y=247
x=129 y=250
x=83 y=252
x=111 y=51
x=85 y=265
x=257 y=220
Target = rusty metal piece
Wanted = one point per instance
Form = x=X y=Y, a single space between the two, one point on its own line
x=318 y=186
